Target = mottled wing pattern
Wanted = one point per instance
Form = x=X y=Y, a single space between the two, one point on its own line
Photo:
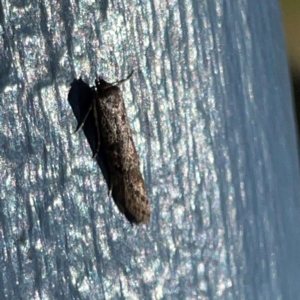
x=102 y=114
x=128 y=187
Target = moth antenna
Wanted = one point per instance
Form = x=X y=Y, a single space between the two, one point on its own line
x=118 y=83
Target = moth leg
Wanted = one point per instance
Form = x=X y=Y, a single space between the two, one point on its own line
x=110 y=192
x=118 y=83
x=80 y=125
x=98 y=131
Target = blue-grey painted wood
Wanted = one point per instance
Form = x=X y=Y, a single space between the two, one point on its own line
x=211 y=108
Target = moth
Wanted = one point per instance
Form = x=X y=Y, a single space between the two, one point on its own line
x=100 y=111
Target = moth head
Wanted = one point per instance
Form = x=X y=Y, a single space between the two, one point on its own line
x=102 y=84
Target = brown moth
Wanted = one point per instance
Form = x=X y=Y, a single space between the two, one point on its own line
x=101 y=112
